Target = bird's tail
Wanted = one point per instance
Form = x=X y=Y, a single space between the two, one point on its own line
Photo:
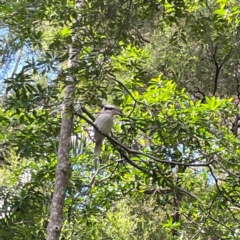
x=96 y=162
x=97 y=151
x=97 y=148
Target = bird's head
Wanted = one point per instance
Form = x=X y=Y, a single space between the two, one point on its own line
x=110 y=109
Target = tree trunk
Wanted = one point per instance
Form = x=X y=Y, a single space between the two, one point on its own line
x=63 y=166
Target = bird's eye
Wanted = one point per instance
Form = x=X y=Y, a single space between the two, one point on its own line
x=108 y=108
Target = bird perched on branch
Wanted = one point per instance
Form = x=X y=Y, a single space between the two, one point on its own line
x=104 y=122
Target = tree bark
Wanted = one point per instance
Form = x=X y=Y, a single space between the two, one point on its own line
x=63 y=165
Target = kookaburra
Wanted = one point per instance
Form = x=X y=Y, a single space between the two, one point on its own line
x=104 y=122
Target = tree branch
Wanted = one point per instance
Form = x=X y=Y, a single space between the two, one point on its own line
x=132 y=151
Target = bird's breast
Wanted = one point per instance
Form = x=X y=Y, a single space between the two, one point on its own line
x=104 y=123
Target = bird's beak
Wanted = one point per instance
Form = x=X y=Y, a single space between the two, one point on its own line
x=118 y=112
